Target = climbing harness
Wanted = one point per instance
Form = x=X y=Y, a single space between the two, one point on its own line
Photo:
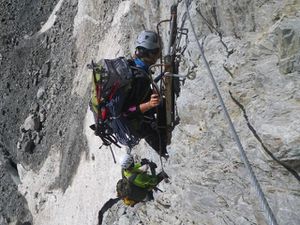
x=265 y=206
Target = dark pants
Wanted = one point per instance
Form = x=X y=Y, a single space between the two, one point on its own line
x=162 y=175
x=154 y=136
x=146 y=128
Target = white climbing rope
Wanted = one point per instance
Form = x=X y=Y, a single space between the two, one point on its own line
x=264 y=204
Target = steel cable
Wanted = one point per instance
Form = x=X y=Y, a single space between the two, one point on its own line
x=229 y=52
x=264 y=204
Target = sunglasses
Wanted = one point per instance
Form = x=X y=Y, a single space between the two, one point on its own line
x=153 y=51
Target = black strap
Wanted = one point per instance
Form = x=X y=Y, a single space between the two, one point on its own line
x=107 y=138
x=106 y=207
x=142 y=73
x=131 y=178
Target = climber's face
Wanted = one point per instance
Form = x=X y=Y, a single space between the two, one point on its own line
x=153 y=56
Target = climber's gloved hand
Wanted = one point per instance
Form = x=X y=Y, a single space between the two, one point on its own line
x=145 y=161
x=152 y=165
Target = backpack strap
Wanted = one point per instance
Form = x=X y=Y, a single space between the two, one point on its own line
x=138 y=72
x=131 y=178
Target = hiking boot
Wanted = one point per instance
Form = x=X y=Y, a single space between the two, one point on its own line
x=164 y=175
x=149 y=196
x=165 y=155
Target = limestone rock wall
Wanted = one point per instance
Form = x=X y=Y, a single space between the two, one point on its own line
x=209 y=184
x=52 y=172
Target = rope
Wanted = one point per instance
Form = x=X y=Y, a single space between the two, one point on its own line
x=119 y=126
x=112 y=153
x=264 y=204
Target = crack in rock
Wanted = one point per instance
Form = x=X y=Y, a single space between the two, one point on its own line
x=228 y=71
x=212 y=27
x=254 y=132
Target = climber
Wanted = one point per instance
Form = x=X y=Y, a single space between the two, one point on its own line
x=125 y=100
x=141 y=100
x=136 y=184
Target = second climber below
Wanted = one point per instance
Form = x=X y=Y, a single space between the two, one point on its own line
x=142 y=183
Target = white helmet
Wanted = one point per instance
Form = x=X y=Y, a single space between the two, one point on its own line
x=148 y=40
x=126 y=161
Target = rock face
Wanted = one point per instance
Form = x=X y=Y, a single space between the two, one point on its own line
x=253 y=49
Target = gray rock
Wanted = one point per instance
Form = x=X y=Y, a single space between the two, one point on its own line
x=13 y=172
x=45 y=42
x=34 y=108
x=37 y=138
x=209 y=183
x=207 y=175
x=3 y=221
x=19 y=145
x=45 y=69
x=40 y=93
x=32 y=122
x=59 y=133
x=29 y=146
x=42 y=115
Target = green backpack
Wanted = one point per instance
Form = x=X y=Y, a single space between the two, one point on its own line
x=127 y=190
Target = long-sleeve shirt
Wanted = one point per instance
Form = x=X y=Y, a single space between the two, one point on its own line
x=140 y=91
